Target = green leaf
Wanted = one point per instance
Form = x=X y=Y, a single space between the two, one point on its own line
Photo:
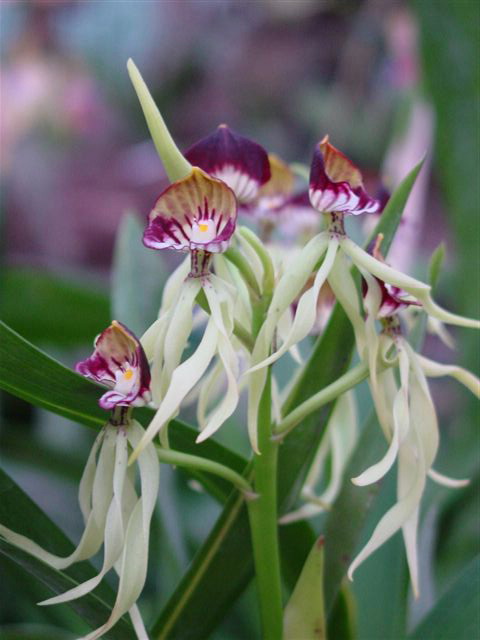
x=34 y=632
x=22 y=515
x=436 y=263
x=391 y=215
x=51 y=310
x=31 y=374
x=349 y=511
x=139 y=275
x=456 y=614
x=304 y=615
x=227 y=551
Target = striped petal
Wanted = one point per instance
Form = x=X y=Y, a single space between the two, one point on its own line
x=119 y=362
x=237 y=161
x=336 y=183
x=197 y=212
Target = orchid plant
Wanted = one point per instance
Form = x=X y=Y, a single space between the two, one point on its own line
x=261 y=250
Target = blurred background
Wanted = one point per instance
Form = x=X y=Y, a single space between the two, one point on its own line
x=388 y=80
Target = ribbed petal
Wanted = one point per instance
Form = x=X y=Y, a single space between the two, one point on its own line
x=238 y=161
x=198 y=212
x=336 y=184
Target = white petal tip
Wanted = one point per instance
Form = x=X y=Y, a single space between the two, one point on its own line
x=360 y=481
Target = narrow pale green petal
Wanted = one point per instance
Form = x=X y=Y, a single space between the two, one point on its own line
x=88 y=477
x=176 y=165
x=230 y=399
x=177 y=334
x=446 y=481
x=304 y=615
x=184 y=378
x=209 y=390
x=381 y=270
x=397 y=516
x=114 y=530
x=443 y=315
x=401 y=420
x=434 y=369
x=343 y=286
x=133 y=566
x=306 y=313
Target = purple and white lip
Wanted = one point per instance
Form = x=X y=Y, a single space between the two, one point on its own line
x=336 y=183
x=238 y=161
x=196 y=213
x=119 y=362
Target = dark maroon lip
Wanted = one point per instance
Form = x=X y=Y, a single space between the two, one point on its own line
x=226 y=148
x=117 y=349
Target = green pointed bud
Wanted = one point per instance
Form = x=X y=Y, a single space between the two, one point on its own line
x=176 y=165
x=436 y=263
x=304 y=615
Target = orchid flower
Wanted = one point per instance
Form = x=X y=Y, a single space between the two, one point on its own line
x=336 y=190
x=406 y=414
x=114 y=514
x=197 y=214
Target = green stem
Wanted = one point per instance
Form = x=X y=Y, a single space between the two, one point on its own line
x=264 y=524
x=327 y=394
x=204 y=464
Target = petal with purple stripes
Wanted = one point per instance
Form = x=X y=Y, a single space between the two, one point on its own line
x=241 y=163
x=198 y=212
x=119 y=362
x=336 y=183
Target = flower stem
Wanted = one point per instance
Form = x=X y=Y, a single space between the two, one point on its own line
x=264 y=526
x=204 y=464
x=327 y=394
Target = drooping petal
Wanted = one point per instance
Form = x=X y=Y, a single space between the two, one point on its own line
x=401 y=422
x=234 y=159
x=172 y=342
x=434 y=369
x=446 y=481
x=399 y=514
x=286 y=291
x=92 y=536
x=336 y=184
x=345 y=291
x=184 y=378
x=306 y=312
x=133 y=566
x=113 y=536
x=119 y=362
x=198 y=212
x=380 y=270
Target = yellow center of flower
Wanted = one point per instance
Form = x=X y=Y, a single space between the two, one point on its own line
x=128 y=375
x=203 y=227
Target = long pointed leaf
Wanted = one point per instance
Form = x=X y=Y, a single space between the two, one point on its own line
x=456 y=614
